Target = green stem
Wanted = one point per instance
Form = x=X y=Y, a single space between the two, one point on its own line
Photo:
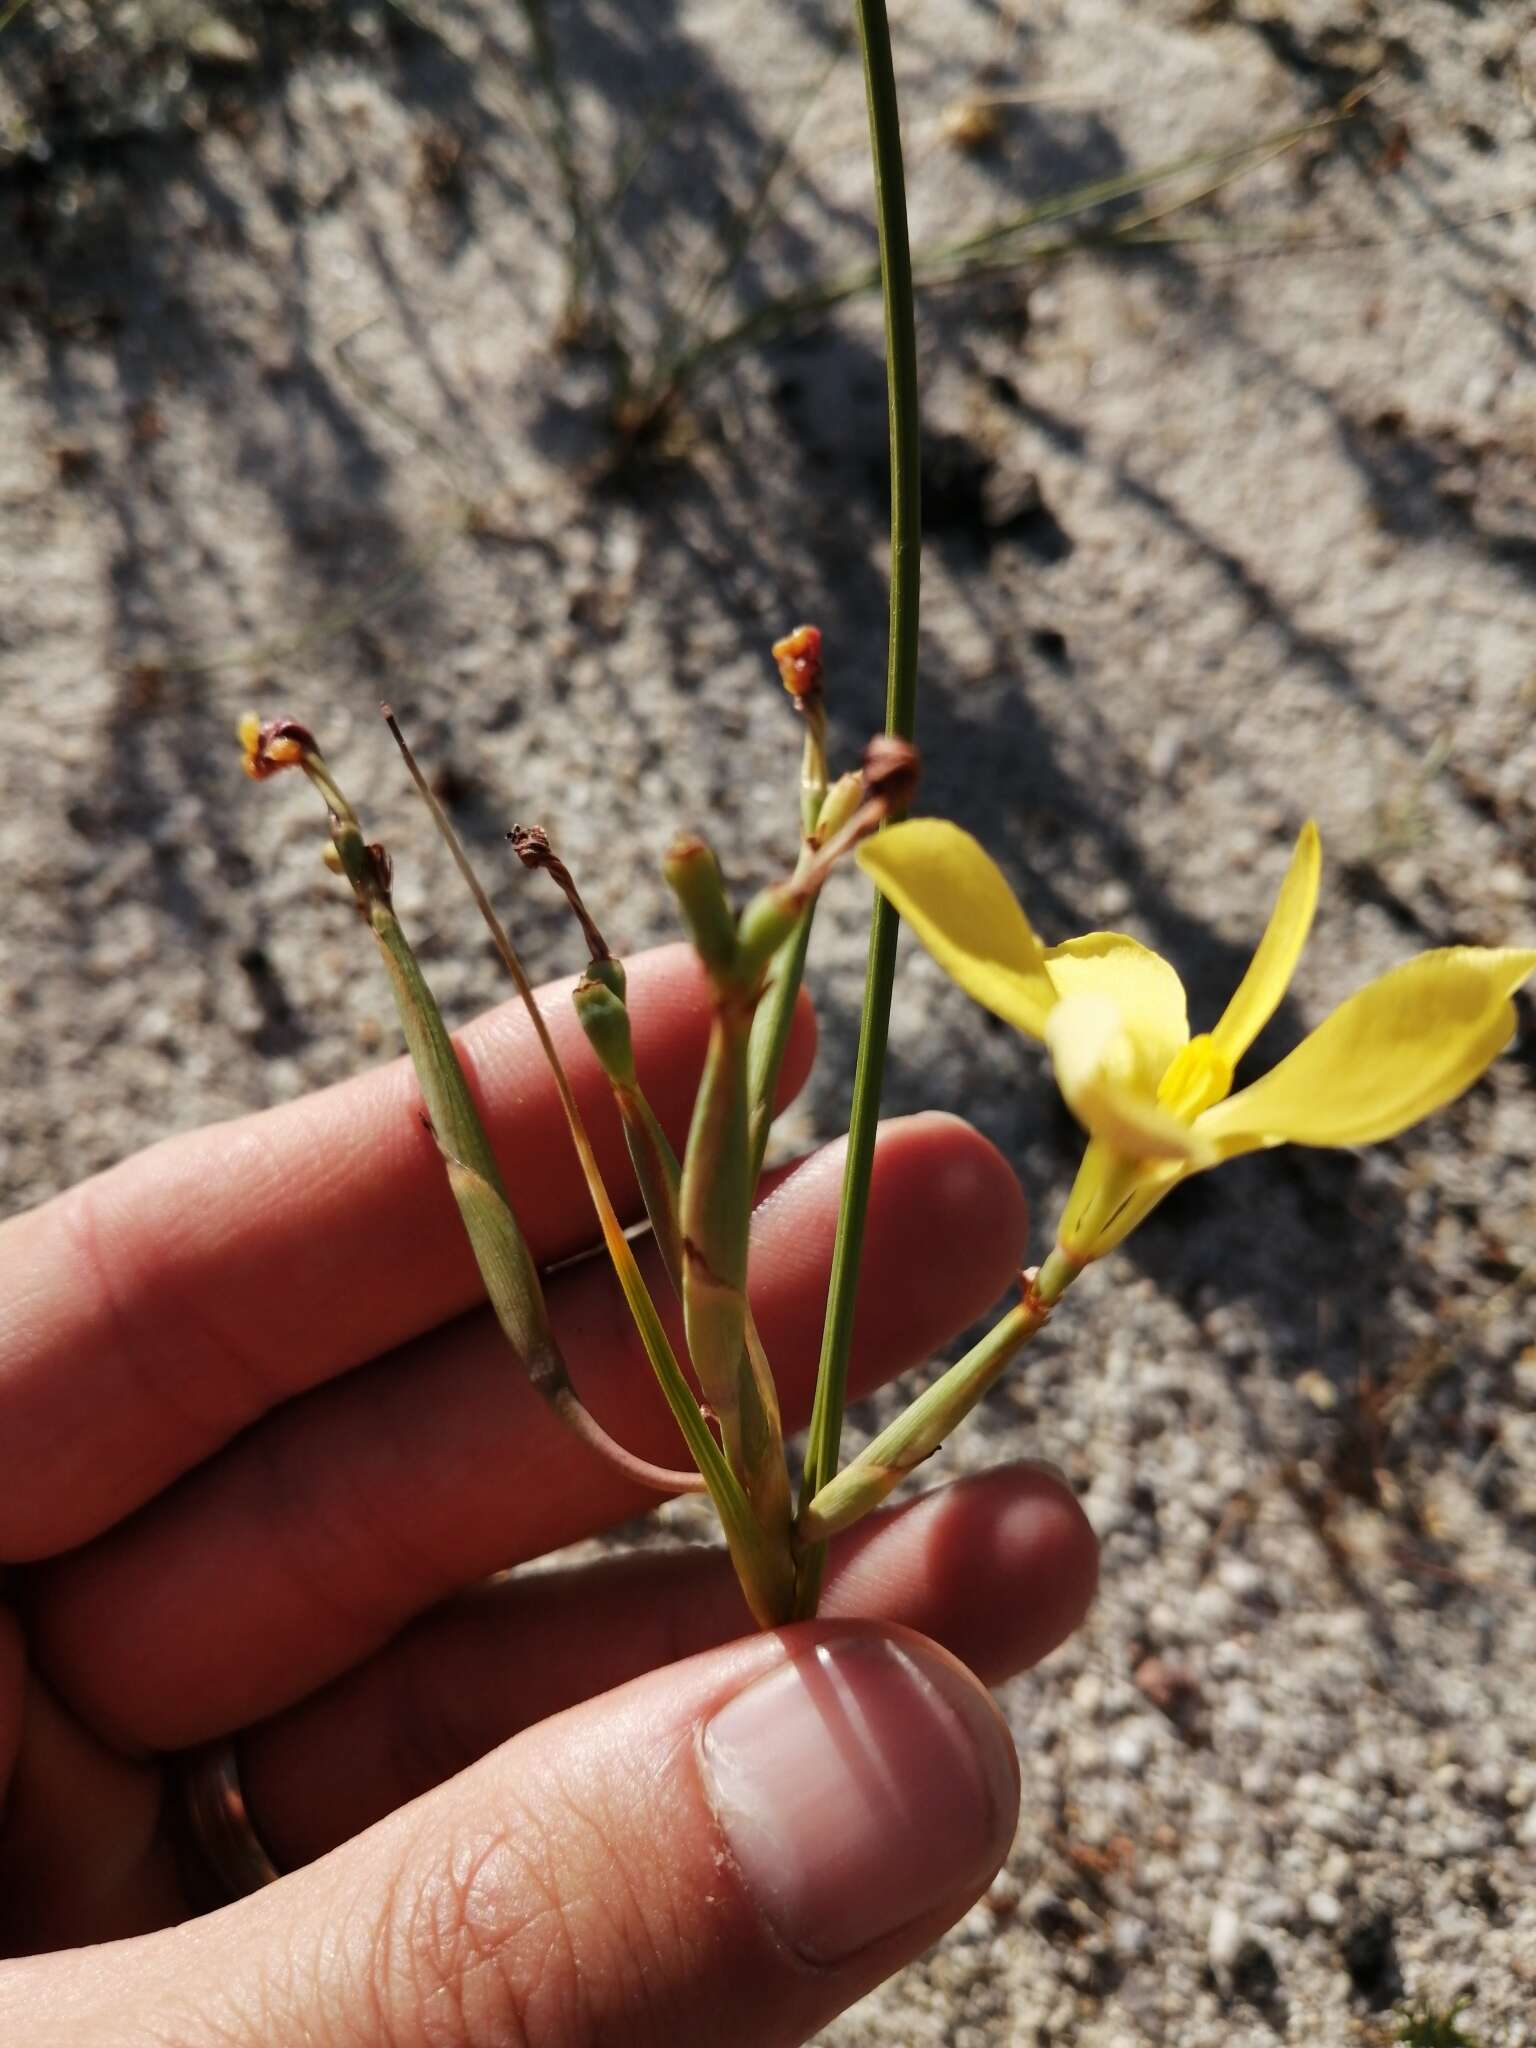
x=770 y=1033
x=920 y=1429
x=776 y=1011
x=900 y=716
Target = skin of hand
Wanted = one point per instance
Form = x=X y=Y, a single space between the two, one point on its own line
x=259 y=1438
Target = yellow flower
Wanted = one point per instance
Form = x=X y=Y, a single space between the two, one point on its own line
x=1156 y=1103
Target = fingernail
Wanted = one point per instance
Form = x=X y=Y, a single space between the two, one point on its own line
x=861 y=1786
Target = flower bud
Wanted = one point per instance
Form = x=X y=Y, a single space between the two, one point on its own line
x=693 y=875
x=839 y=805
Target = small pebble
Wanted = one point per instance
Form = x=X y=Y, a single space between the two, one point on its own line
x=1241 y=1711
x=1242 y=1577
x=1131 y=1748
x=1224 y=1943
x=1130 y=1938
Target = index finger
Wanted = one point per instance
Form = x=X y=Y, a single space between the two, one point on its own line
x=158 y=1309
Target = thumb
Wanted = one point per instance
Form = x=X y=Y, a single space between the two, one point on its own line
x=731 y=1849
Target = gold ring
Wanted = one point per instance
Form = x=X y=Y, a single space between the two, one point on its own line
x=224 y=1858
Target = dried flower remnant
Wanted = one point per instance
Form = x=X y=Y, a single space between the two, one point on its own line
x=266 y=748
x=798 y=655
x=890 y=772
x=531 y=845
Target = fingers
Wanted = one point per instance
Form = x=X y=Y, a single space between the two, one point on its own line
x=999 y=1569
x=79 y=1842
x=13 y=1688
x=730 y=1850
x=178 y=1297
x=314 y=1538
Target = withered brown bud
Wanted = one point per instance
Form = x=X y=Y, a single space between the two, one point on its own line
x=798 y=655
x=279 y=743
x=531 y=845
x=891 y=770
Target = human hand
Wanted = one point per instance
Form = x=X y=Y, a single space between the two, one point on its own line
x=257 y=1438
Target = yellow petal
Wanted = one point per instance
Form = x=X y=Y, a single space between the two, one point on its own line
x=1097 y=1062
x=1142 y=986
x=1270 y=969
x=955 y=898
x=1404 y=1046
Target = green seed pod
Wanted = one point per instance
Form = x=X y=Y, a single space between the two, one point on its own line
x=766 y=923
x=693 y=875
x=605 y=1020
x=610 y=972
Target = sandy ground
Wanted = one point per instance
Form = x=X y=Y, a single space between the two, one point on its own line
x=298 y=408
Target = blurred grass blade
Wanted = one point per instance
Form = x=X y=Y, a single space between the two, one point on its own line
x=987 y=250
x=741 y=228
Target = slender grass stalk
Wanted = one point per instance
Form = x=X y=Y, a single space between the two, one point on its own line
x=996 y=247
x=586 y=252
x=690 y=316
x=900 y=717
